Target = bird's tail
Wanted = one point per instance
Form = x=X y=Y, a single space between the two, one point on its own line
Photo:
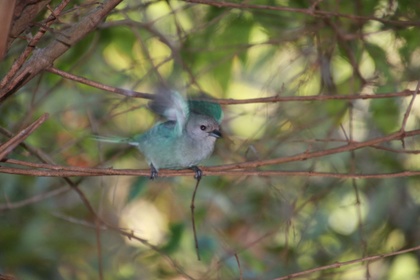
x=113 y=139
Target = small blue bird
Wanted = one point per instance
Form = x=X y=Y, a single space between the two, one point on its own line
x=186 y=137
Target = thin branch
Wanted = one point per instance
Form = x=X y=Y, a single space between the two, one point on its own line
x=192 y=207
x=31 y=45
x=410 y=105
x=277 y=98
x=331 y=140
x=41 y=155
x=125 y=92
x=44 y=58
x=127 y=233
x=310 y=12
x=235 y=169
x=308 y=155
x=7 y=147
x=65 y=171
x=408 y=110
x=340 y=264
x=99 y=249
x=6 y=18
x=230 y=101
x=34 y=199
x=239 y=266
x=74 y=220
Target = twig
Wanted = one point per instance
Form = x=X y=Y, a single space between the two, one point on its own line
x=31 y=45
x=270 y=99
x=239 y=266
x=74 y=220
x=125 y=92
x=209 y=171
x=7 y=147
x=6 y=13
x=339 y=264
x=308 y=155
x=407 y=112
x=310 y=11
x=127 y=233
x=99 y=248
x=44 y=58
x=235 y=169
x=192 y=206
x=33 y=199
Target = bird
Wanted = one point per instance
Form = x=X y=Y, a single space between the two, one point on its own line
x=186 y=137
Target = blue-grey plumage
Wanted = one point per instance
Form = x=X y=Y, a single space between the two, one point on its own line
x=164 y=148
x=185 y=139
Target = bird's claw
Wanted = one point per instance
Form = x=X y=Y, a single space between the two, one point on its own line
x=198 y=173
x=153 y=172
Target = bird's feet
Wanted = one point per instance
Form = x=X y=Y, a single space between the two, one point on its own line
x=198 y=172
x=153 y=172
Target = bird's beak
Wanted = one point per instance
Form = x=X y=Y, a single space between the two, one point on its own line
x=215 y=133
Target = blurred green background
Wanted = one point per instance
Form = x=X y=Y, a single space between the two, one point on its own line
x=249 y=227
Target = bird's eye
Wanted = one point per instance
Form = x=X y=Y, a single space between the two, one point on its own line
x=203 y=127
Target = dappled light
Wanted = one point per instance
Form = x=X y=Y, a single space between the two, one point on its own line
x=316 y=175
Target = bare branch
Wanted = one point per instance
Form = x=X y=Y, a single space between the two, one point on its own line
x=125 y=92
x=31 y=45
x=6 y=16
x=410 y=105
x=207 y=171
x=44 y=58
x=310 y=11
x=339 y=264
x=235 y=169
x=308 y=155
x=7 y=147
x=270 y=99
x=34 y=199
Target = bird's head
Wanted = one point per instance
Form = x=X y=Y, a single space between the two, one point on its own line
x=202 y=127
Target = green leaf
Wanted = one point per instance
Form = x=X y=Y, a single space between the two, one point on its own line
x=385 y=114
x=175 y=235
x=137 y=188
x=380 y=59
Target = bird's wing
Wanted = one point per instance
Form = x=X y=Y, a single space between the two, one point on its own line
x=172 y=106
x=208 y=108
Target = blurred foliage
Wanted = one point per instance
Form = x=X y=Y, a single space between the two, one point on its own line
x=248 y=226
